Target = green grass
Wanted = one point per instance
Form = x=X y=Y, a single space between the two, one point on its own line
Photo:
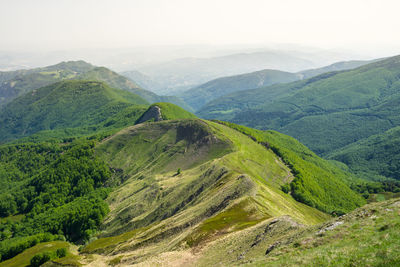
x=239 y=216
x=317 y=182
x=23 y=259
x=105 y=244
x=227 y=183
x=368 y=236
x=172 y=112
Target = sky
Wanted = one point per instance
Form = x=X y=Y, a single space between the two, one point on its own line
x=61 y=24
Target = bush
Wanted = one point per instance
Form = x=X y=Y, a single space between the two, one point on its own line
x=40 y=259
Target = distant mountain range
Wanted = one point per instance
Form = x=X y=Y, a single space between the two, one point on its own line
x=16 y=83
x=326 y=112
x=178 y=75
x=202 y=94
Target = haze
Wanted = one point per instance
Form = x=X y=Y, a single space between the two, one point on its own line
x=61 y=24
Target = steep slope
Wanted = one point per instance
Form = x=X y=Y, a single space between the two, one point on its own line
x=373 y=157
x=65 y=104
x=368 y=236
x=189 y=182
x=325 y=112
x=16 y=83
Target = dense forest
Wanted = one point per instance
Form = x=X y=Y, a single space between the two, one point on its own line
x=50 y=191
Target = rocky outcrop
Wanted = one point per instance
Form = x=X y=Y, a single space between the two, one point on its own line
x=152 y=114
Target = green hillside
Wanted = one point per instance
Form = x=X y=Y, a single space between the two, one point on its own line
x=190 y=172
x=67 y=104
x=325 y=112
x=198 y=96
x=164 y=111
x=373 y=157
x=338 y=66
x=115 y=80
x=160 y=188
x=17 y=83
x=368 y=236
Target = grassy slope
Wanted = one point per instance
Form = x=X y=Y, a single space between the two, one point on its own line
x=317 y=182
x=66 y=104
x=172 y=112
x=324 y=112
x=227 y=183
x=24 y=258
x=368 y=236
x=373 y=157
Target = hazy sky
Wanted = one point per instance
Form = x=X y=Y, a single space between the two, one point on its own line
x=60 y=24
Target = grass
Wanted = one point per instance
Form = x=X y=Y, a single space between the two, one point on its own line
x=317 y=182
x=239 y=216
x=23 y=259
x=368 y=236
x=227 y=183
x=104 y=244
x=172 y=112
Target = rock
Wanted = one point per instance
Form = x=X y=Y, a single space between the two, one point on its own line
x=272 y=247
x=153 y=113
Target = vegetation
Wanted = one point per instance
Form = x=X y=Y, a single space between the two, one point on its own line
x=39 y=254
x=17 y=83
x=325 y=112
x=68 y=104
x=172 y=112
x=200 y=95
x=374 y=158
x=368 y=236
x=59 y=188
x=317 y=183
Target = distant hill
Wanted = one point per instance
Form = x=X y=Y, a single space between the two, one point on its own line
x=65 y=104
x=375 y=157
x=338 y=66
x=324 y=112
x=173 y=77
x=19 y=82
x=16 y=83
x=198 y=96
